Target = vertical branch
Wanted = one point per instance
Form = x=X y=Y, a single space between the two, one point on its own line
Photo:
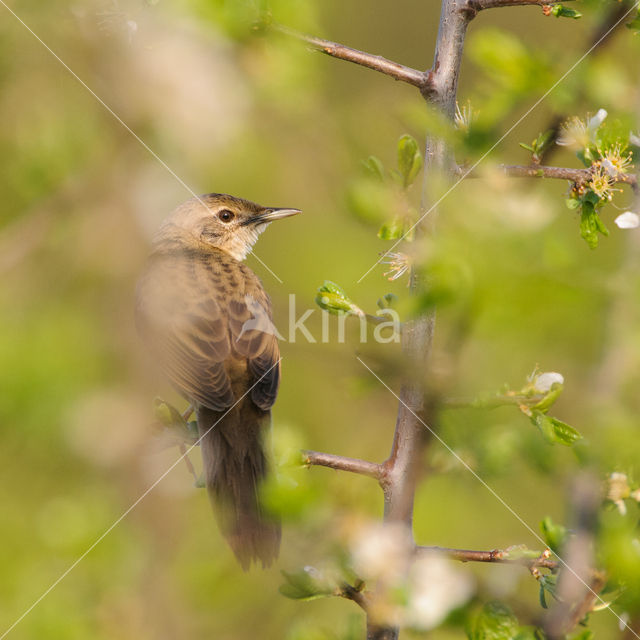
x=401 y=469
x=399 y=476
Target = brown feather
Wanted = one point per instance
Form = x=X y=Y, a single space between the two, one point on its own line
x=207 y=319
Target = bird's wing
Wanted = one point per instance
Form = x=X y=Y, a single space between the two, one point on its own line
x=253 y=336
x=188 y=331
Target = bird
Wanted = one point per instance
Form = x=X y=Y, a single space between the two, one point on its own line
x=207 y=321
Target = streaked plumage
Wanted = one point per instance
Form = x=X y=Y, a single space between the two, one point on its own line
x=197 y=305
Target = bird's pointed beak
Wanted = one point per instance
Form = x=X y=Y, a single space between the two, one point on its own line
x=271 y=213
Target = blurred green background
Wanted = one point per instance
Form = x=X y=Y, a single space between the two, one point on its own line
x=228 y=109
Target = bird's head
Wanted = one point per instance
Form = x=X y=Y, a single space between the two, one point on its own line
x=222 y=221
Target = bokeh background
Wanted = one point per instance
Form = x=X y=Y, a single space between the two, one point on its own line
x=184 y=96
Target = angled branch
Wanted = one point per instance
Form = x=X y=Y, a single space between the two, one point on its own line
x=479 y=5
x=395 y=70
x=500 y=556
x=579 y=176
x=341 y=463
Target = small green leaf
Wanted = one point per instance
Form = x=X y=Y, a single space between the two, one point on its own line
x=547 y=585
x=590 y=223
x=554 y=534
x=542 y=598
x=409 y=159
x=548 y=400
x=572 y=203
x=494 y=622
x=373 y=167
x=560 y=11
x=332 y=298
x=553 y=430
x=540 y=144
x=393 y=230
x=564 y=433
x=544 y=141
x=306 y=584
x=167 y=414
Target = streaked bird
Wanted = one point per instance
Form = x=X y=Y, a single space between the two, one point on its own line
x=207 y=320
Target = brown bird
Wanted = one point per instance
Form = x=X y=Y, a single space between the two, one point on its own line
x=207 y=319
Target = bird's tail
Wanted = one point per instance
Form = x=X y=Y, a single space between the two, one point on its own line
x=235 y=465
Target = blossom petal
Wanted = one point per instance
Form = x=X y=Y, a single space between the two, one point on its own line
x=596 y=121
x=628 y=220
x=544 y=381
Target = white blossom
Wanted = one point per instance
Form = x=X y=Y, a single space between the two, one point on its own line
x=382 y=552
x=543 y=382
x=628 y=220
x=578 y=133
x=436 y=588
x=594 y=123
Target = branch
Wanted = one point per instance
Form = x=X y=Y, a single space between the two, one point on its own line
x=579 y=176
x=479 y=5
x=397 y=71
x=355 y=595
x=586 y=605
x=341 y=463
x=500 y=556
x=403 y=467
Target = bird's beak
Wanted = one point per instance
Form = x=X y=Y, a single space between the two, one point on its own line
x=271 y=214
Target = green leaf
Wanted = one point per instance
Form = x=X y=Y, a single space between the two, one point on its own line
x=332 y=298
x=306 y=584
x=494 y=622
x=564 y=433
x=542 y=598
x=393 y=230
x=554 y=534
x=547 y=585
x=373 y=167
x=409 y=159
x=553 y=430
x=560 y=11
x=573 y=203
x=540 y=144
x=167 y=414
x=590 y=223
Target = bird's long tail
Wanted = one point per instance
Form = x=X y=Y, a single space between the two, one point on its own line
x=235 y=465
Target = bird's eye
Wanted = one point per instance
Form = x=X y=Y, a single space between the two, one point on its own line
x=224 y=215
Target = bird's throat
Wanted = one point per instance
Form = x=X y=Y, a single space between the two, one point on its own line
x=240 y=244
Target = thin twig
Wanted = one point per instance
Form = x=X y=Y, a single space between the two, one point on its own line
x=395 y=70
x=500 y=556
x=356 y=595
x=579 y=176
x=342 y=463
x=586 y=605
x=479 y=5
